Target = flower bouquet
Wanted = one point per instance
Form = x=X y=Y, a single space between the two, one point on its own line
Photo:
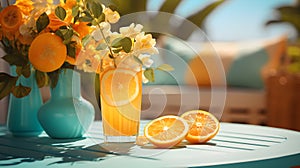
x=51 y=36
x=46 y=37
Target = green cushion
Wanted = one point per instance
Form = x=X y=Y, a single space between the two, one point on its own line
x=245 y=70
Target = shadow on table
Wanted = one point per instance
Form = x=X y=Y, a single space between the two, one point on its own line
x=17 y=150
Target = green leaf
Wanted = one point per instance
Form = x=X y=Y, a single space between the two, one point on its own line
x=75 y=11
x=86 y=17
x=170 y=6
x=23 y=70
x=6 y=43
x=138 y=60
x=59 y=33
x=126 y=44
x=198 y=18
x=116 y=43
x=54 y=78
x=113 y=7
x=41 y=78
x=15 y=59
x=60 y=12
x=149 y=74
x=290 y=14
x=26 y=71
x=19 y=70
x=69 y=34
x=42 y=22
x=101 y=46
x=95 y=8
x=65 y=33
x=85 y=40
x=165 y=67
x=71 y=49
x=21 y=91
x=7 y=82
x=101 y=18
x=117 y=50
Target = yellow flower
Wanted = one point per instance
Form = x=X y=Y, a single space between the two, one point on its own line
x=111 y=16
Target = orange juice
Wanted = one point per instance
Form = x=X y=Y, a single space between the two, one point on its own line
x=121 y=93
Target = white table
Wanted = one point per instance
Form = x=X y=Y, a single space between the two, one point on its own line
x=236 y=145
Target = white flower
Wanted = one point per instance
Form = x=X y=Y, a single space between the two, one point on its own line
x=105 y=27
x=25 y=29
x=131 y=31
x=111 y=16
x=144 y=44
x=146 y=59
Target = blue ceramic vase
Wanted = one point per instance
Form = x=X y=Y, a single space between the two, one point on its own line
x=66 y=114
x=22 y=117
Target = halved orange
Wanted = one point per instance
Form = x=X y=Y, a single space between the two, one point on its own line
x=47 y=52
x=119 y=86
x=166 y=131
x=203 y=126
x=11 y=18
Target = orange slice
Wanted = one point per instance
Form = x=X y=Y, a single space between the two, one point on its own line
x=11 y=18
x=47 y=52
x=166 y=131
x=119 y=86
x=203 y=126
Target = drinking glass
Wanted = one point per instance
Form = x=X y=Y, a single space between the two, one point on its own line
x=121 y=96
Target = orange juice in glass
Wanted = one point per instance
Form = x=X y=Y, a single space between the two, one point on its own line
x=121 y=94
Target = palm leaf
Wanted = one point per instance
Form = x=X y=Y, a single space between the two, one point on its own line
x=125 y=7
x=288 y=14
x=198 y=19
x=169 y=6
x=130 y=6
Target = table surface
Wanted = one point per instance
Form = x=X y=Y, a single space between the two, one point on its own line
x=236 y=145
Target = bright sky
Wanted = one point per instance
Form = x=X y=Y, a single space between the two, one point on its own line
x=236 y=19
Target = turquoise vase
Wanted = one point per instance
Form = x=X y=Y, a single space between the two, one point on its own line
x=22 y=112
x=66 y=114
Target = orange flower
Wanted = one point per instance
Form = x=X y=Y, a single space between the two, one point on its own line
x=69 y=4
x=25 y=6
x=55 y=22
x=82 y=29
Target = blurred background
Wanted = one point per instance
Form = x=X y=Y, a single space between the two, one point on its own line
x=257 y=43
x=236 y=20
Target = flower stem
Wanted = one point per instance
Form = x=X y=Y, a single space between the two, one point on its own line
x=103 y=36
x=108 y=45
